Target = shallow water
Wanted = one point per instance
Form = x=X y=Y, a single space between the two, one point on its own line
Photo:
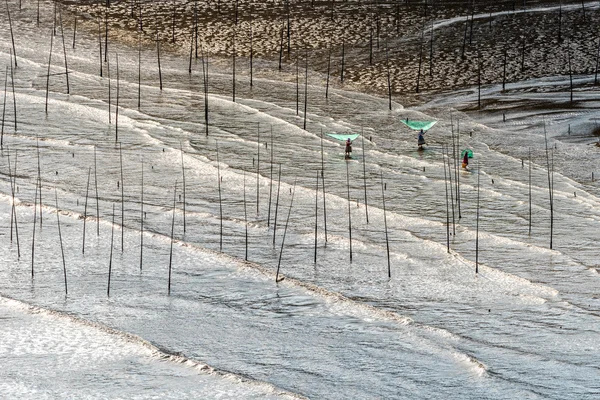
x=526 y=326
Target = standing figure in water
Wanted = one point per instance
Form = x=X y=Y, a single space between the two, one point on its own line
x=421 y=140
x=465 y=162
x=348 y=151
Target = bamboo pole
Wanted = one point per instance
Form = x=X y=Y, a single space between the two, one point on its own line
x=13 y=184
x=477 y=226
x=109 y=91
x=281 y=46
x=191 y=52
x=328 y=72
x=270 y=181
x=48 y=76
x=85 y=209
x=451 y=195
x=158 y=57
x=12 y=82
x=122 y=200
x=105 y=36
x=597 y=60
x=12 y=36
x=99 y=46
x=4 y=109
x=316 y=215
x=37 y=143
x=504 y=71
x=183 y=183
x=530 y=191
x=220 y=199
x=258 y=167
x=420 y=60
x=139 y=70
x=276 y=206
x=550 y=188
x=323 y=181
x=305 y=87
x=97 y=200
x=387 y=242
x=33 y=232
x=245 y=219
x=349 y=214
x=62 y=32
x=343 y=60
x=284 y=233
x=142 y=218
x=365 y=176
x=570 y=73
x=389 y=79
x=233 y=68
x=447 y=205
x=205 y=93
x=112 y=237
x=62 y=250
x=251 y=53
x=74 y=31
x=117 y=105
x=172 y=232
x=297 y=85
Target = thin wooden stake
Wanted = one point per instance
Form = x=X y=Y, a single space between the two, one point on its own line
x=12 y=36
x=258 y=168
x=245 y=219
x=158 y=57
x=447 y=203
x=477 y=226
x=142 y=218
x=284 y=233
x=530 y=191
x=233 y=69
x=343 y=60
x=349 y=214
x=328 y=72
x=297 y=85
x=139 y=70
x=172 y=232
x=48 y=76
x=305 y=87
x=365 y=176
x=550 y=188
x=276 y=206
x=37 y=143
x=34 y=222
x=117 y=106
x=183 y=182
x=597 y=60
x=3 y=109
x=13 y=184
x=62 y=250
x=97 y=200
x=12 y=82
x=74 y=31
x=387 y=241
x=420 y=61
x=62 y=32
x=323 y=181
x=99 y=46
x=270 y=181
x=316 y=214
x=87 y=188
x=112 y=237
x=122 y=200
x=109 y=92
x=220 y=199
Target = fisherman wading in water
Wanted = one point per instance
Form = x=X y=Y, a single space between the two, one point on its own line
x=421 y=140
x=348 y=151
